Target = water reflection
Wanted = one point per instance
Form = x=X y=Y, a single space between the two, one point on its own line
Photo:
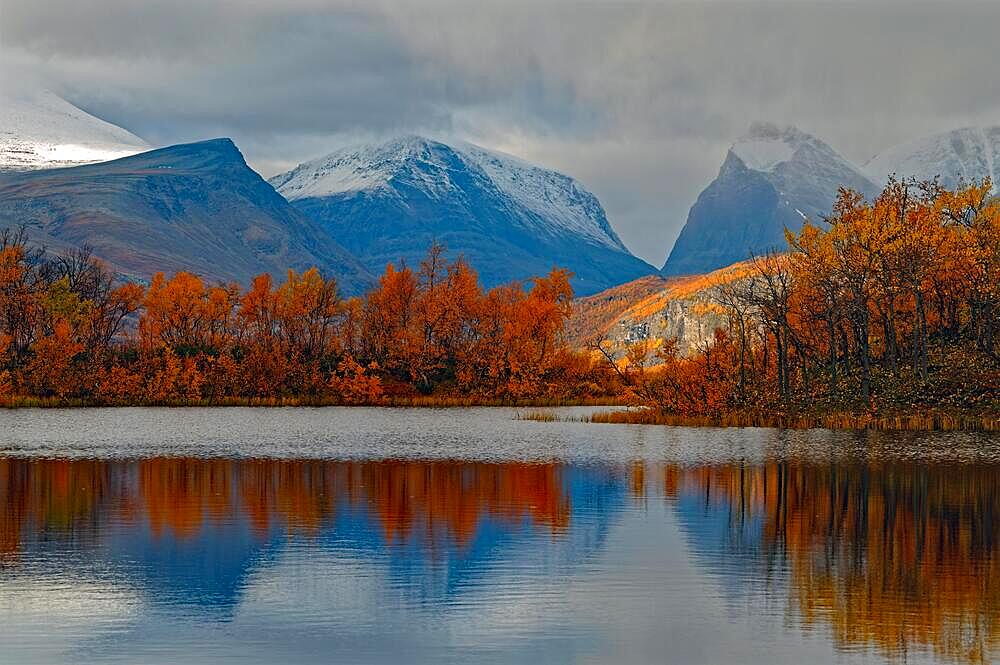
x=893 y=558
x=898 y=556
x=195 y=528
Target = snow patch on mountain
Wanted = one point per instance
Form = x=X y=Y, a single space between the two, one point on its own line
x=350 y=169
x=549 y=201
x=552 y=196
x=766 y=146
x=971 y=153
x=40 y=130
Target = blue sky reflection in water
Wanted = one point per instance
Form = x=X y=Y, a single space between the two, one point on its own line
x=466 y=535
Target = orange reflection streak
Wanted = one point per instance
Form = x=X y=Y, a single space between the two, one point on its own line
x=298 y=493
x=61 y=494
x=431 y=500
x=449 y=499
x=181 y=493
x=897 y=557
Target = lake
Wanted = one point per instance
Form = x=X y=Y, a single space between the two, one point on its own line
x=368 y=535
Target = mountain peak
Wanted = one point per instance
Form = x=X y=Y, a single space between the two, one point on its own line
x=356 y=167
x=208 y=155
x=222 y=144
x=395 y=149
x=411 y=143
x=512 y=219
x=220 y=148
x=773 y=178
x=766 y=145
x=439 y=170
x=196 y=207
x=40 y=130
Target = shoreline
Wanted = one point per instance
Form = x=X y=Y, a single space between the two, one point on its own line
x=933 y=421
x=27 y=402
x=625 y=414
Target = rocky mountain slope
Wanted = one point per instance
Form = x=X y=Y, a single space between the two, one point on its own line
x=40 y=130
x=771 y=179
x=651 y=310
x=510 y=219
x=195 y=207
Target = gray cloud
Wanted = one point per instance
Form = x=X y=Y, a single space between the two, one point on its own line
x=637 y=99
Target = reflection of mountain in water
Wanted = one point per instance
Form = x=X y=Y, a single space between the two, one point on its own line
x=898 y=557
x=190 y=532
x=724 y=536
x=207 y=569
x=435 y=561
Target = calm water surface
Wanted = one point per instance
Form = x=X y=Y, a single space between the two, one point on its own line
x=464 y=535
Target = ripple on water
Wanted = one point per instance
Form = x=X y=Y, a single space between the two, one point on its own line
x=458 y=535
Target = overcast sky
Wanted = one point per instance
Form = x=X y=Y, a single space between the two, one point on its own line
x=638 y=100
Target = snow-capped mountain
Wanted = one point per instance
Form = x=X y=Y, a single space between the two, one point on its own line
x=196 y=207
x=972 y=153
x=511 y=220
x=40 y=130
x=772 y=178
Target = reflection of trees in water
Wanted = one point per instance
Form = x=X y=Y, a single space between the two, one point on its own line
x=900 y=557
x=896 y=556
x=431 y=501
x=63 y=495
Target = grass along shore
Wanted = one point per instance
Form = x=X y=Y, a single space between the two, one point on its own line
x=32 y=402
x=927 y=421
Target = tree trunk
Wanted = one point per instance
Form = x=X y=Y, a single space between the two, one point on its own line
x=784 y=360
x=743 y=356
x=781 y=360
x=833 y=356
x=846 y=346
x=890 y=334
x=765 y=358
x=864 y=348
x=805 y=369
x=919 y=336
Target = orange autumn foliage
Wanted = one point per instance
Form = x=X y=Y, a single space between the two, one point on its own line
x=890 y=302
x=67 y=331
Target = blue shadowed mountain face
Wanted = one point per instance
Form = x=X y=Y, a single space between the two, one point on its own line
x=771 y=179
x=196 y=207
x=510 y=220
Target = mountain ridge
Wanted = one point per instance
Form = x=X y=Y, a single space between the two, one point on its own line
x=512 y=220
x=196 y=207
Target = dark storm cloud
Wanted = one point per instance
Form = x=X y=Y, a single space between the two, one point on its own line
x=637 y=99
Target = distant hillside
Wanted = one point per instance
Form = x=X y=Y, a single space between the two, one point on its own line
x=195 y=207
x=653 y=309
x=510 y=219
x=593 y=315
